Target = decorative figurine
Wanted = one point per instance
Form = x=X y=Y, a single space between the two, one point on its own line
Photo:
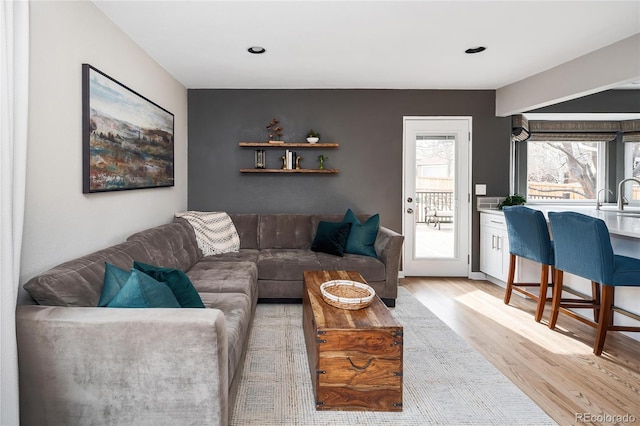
x=260 y=158
x=298 y=158
x=284 y=162
x=275 y=131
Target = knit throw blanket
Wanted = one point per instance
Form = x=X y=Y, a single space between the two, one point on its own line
x=215 y=232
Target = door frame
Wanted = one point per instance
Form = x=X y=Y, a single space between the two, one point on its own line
x=469 y=242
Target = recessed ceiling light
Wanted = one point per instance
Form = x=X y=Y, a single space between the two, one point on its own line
x=256 y=50
x=475 y=50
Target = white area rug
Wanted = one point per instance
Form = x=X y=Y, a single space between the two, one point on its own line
x=446 y=381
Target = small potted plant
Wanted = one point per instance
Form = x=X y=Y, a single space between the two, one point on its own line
x=313 y=136
x=512 y=200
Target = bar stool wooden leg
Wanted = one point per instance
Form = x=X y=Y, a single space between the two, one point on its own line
x=613 y=303
x=605 y=318
x=542 y=297
x=555 y=302
x=595 y=292
x=510 y=278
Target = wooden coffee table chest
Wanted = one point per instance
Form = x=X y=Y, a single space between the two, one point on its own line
x=355 y=357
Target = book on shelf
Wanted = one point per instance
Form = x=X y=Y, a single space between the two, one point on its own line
x=280 y=142
x=287 y=155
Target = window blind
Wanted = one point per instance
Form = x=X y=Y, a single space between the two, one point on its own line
x=523 y=129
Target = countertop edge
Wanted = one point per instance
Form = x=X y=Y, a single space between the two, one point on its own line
x=620 y=225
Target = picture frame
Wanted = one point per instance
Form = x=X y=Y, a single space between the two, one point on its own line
x=128 y=140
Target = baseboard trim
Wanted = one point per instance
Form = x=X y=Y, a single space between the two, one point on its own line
x=477 y=276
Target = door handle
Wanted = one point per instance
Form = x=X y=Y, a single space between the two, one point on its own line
x=409 y=210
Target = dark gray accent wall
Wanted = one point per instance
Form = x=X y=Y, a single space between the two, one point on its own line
x=366 y=123
x=609 y=101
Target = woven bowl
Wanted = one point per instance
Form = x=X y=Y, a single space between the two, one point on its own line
x=345 y=294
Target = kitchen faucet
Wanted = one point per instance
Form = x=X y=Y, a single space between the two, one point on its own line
x=620 y=195
x=598 y=197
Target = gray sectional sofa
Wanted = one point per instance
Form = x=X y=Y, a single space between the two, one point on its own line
x=80 y=364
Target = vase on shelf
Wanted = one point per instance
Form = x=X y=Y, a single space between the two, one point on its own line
x=321 y=159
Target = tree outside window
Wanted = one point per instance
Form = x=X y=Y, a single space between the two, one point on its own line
x=634 y=162
x=635 y=159
x=562 y=170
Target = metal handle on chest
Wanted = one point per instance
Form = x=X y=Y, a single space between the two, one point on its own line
x=357 y=366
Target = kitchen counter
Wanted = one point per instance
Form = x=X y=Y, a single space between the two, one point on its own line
x=625 y=224
x=624 y=229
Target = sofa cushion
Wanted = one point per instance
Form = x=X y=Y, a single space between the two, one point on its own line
x=79 y=282
x=225 y=277
x=370 y=268
x=244 y=255
x=286 y=264
x=285 y=231
x=247 y=227
x=238 y=311
x=331 y=238
x=176 y=280
x=362 y=235
x=172 y=245
x=142 y=291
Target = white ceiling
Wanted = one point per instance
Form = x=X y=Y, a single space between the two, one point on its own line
x=368 y=44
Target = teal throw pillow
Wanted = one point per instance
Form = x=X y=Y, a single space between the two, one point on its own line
x=142 y=291
x=331 y=238
x=363 y=235
x=114 y=279
x=177 y=281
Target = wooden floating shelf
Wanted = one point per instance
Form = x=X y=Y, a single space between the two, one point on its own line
x=324 y=171
x=288 y=145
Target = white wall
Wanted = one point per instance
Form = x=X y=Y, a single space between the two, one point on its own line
x=603 y=69
x=61 y=222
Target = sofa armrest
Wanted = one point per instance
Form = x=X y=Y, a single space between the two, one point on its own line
x=122 y=366
x=388 y=247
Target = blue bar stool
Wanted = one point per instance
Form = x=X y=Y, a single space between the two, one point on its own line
x=583 y=248
x=529 y=238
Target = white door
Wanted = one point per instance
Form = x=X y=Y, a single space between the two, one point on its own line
x=436 y=199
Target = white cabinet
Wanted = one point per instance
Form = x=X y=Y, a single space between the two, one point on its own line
x=494 y=246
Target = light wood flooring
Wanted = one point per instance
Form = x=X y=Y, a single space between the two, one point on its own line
x=555 y=368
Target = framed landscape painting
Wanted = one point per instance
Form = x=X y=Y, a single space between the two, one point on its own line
x=127 y=139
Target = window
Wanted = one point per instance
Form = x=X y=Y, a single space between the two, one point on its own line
x=564 y=170
x=632 y=169
x=570 y=158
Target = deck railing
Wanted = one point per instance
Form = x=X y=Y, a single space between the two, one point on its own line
x=429 y=202
x=564 y=196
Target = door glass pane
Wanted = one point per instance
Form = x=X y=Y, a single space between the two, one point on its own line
x=435 y=219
